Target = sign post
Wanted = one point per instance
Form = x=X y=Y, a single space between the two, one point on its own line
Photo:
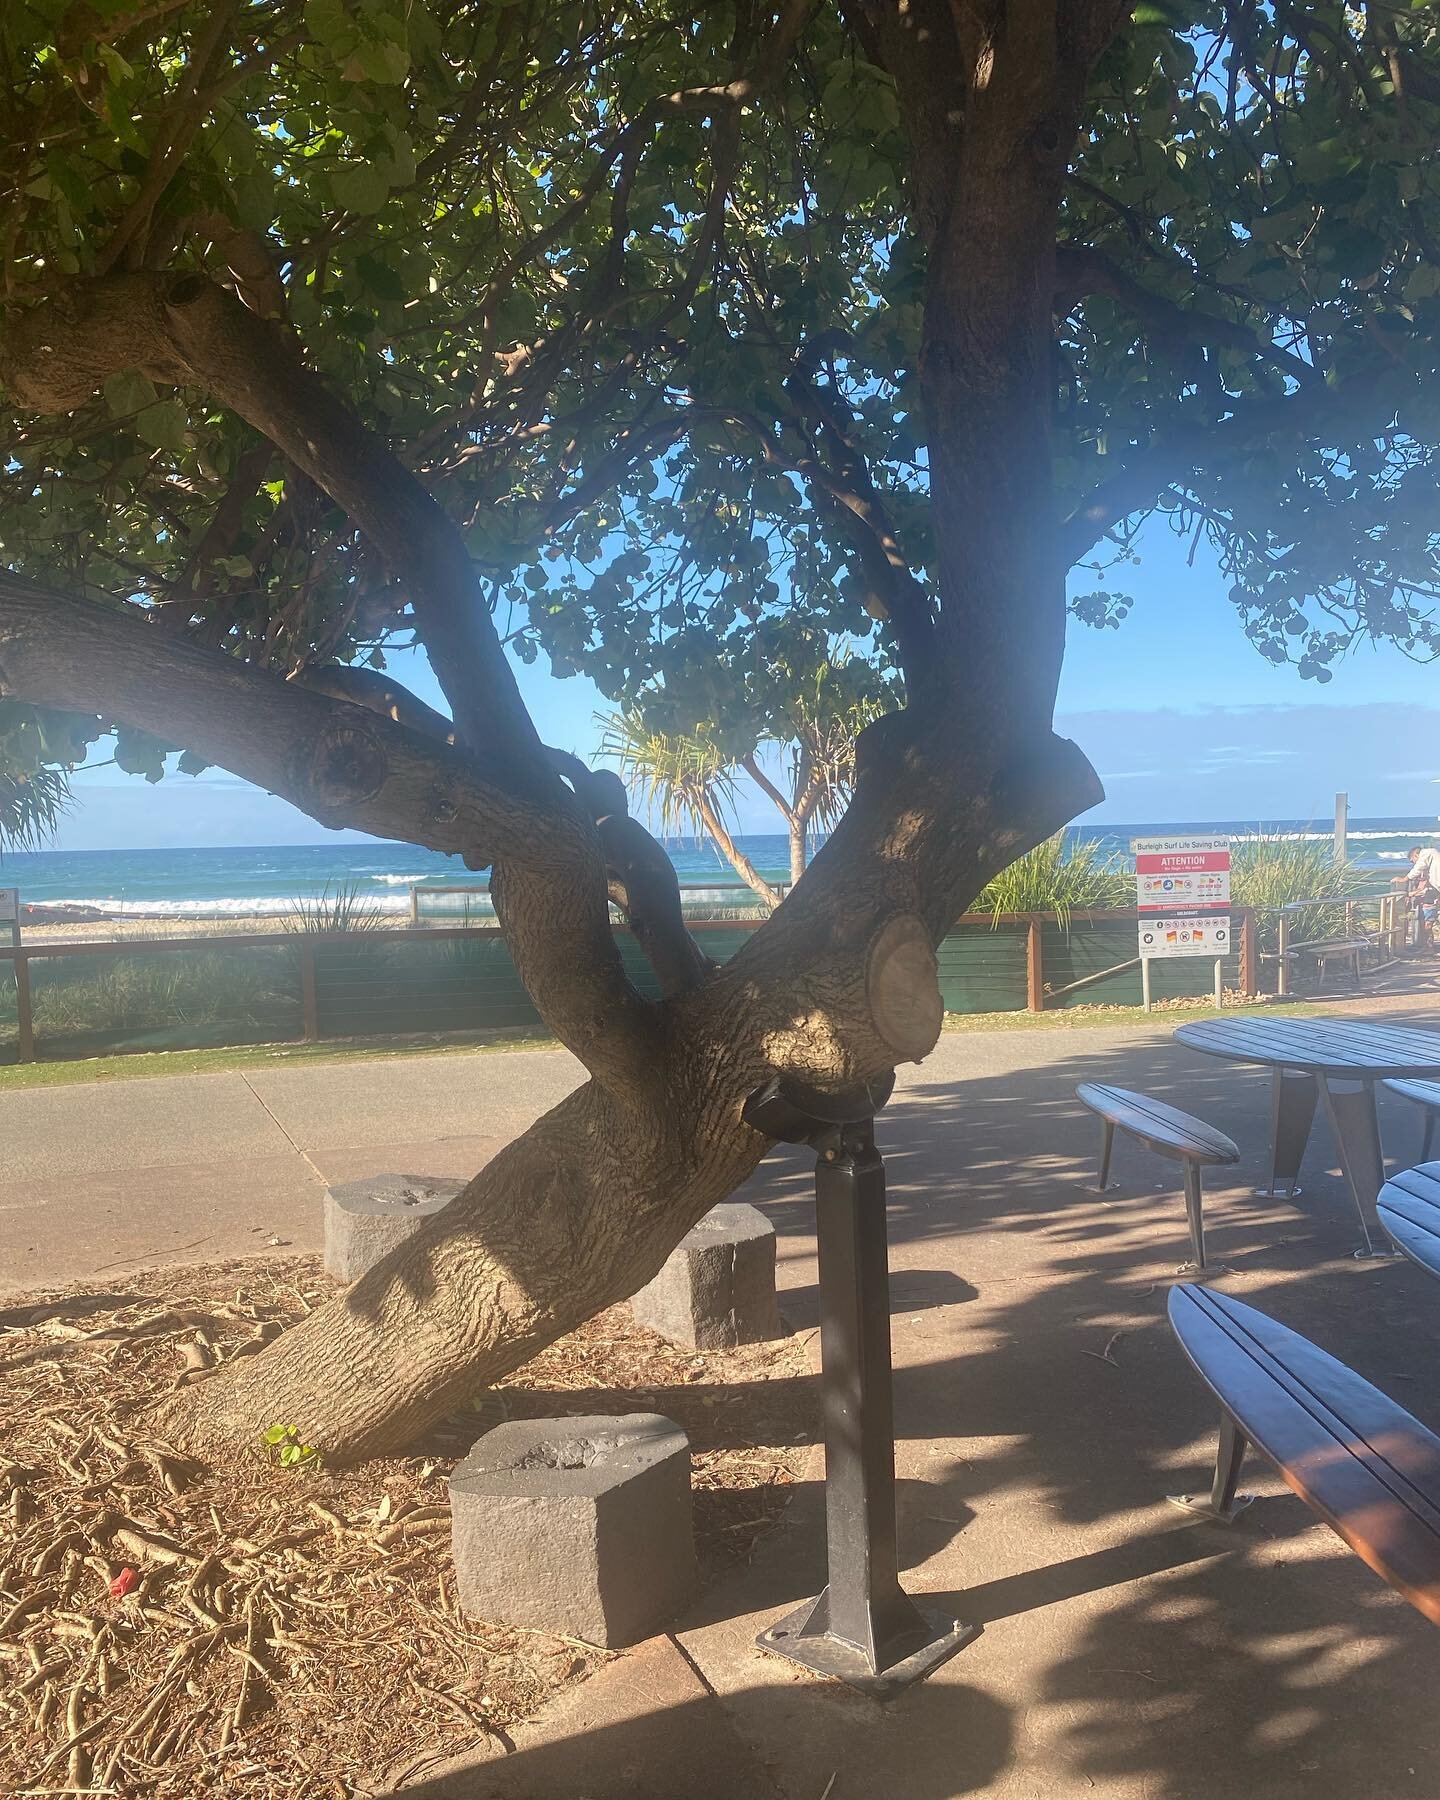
x=1182 y=894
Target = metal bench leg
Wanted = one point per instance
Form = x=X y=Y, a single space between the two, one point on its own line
x=1427 y=1139
x=1223 y=1502
x=1195 y=1213
x=1106 y=1146
x=1350 y=1107
x=1292 y=1112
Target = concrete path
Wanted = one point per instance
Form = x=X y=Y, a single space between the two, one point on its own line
x=103 y=1176
x=1042 y=1413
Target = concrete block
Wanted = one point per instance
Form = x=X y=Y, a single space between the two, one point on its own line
x=365 y=1220
x=577 y=1526
x=717 y=1288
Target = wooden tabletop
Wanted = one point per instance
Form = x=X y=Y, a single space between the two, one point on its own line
x=1354 y=1047
x=1409 y=1209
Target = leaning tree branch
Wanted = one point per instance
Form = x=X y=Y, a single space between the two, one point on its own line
x=187 y=329
x=751 y=765
x=641 y=876
x=345 y=765
x=1081 y=271
x=1366 y=401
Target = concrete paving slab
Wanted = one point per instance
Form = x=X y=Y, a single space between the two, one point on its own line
x=326 y=1106
x=460 y=1157
x=75 y=1228
x=643 y=1728
x=92 y=1128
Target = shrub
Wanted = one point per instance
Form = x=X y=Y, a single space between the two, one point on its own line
x=1277 y=869
x=1059 y=878
x=339 y=906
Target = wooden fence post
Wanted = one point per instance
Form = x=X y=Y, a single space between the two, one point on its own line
x=309 y=1005
x=1249 y=954
x=1035 y=964
x=25 y=1015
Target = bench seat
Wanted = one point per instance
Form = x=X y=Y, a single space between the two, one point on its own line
x=1370 y=1470
x=1425 y=1095
x=1156 y=1125
x=1168 y=1131
x=1409 y=1209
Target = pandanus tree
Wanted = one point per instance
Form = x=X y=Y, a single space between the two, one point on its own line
x=792 y=728
x=31 y=807
x=606 y=335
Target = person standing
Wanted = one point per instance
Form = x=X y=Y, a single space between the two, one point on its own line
x=1422 y=887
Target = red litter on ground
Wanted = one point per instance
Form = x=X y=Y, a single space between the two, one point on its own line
x=123 y=1583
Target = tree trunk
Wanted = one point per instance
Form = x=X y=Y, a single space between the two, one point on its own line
x=736 y=857
x=799 y=831
x=582 y=1210
x=839 y=984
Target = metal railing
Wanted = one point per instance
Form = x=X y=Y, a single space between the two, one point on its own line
x=428 y=903
x=1388 y=935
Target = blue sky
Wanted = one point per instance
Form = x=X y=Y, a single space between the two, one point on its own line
x=1182 y=718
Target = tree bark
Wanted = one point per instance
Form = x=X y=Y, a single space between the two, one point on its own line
x=799 y=832
x=735 y=856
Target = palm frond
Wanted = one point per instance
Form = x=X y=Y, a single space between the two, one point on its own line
x=678 y=777
x=31 y=808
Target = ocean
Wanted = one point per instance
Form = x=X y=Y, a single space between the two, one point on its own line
x=267 y=880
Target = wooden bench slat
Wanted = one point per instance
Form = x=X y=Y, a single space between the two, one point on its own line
x=1163 y=1128
x=1359 y=1460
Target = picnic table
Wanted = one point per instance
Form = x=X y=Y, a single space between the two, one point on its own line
x=1341 y=1060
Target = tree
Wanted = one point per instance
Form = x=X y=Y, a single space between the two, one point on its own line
x=614 y=335
x=812 y=714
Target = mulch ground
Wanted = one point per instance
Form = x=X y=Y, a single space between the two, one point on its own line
x=173 y=1629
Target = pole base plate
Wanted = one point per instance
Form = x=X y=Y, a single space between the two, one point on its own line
x=1201 y=1506
x=843 y=1661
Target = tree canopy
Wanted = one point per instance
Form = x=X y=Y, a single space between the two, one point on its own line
x=636 y=292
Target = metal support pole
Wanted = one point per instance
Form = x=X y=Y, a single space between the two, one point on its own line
x=1223 y=1502
x=1219 y=985
x=1350 y=1108
x=863 y=1629
x=1145 y=982
x=1293 y=1097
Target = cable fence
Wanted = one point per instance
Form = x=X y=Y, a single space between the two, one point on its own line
x=70 y=999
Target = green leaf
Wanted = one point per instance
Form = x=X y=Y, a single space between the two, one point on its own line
x=164 y=424
x=127 y=394
x=386 y=63
x=359 y=188
x=381 y=278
